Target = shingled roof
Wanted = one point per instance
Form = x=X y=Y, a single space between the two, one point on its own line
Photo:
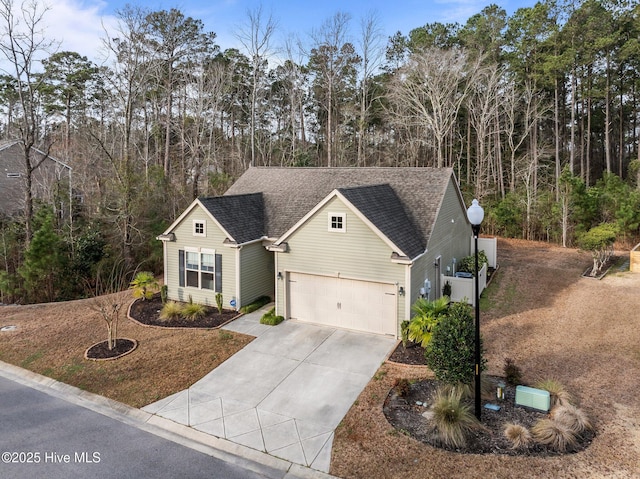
x=380 y=205
x=290 y=193
x=242 y=216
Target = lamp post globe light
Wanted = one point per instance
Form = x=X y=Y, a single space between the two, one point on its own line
x=475 y=214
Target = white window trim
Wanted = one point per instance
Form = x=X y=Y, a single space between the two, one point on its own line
x=14 y=175
x=204 y=228
x=344 y=222
x=200 y=252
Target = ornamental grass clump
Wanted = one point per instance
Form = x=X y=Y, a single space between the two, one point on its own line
x=170 y=311
x=452 y=418
x=559 y=394
x=572 y=417
x=192 y=311
x=519 y=436
x=554 y=434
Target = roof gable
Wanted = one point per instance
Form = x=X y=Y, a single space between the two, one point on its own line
x=382 y=207
x=289 y=194
x=242 y=216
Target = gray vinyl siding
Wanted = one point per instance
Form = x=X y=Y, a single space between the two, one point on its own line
x=256 y=273
x=213 y=241
x=449 y=239
x=359 y=253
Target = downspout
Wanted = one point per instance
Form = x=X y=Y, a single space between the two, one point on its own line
x=238 y=295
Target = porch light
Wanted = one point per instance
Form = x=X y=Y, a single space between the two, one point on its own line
x=475 y=214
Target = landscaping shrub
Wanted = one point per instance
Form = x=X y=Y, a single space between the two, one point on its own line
x=518 y=435
x=193 y=311
x=270 y=318
x=572 y=417
x=171 y=310
x=559 y=395
x=255 y=305
x=554 y=434
x=402 y=387
x=453 y=419
x=219 y=302
x=164 y=293
x=512 y=373
x=468 y=263
x=427 y=314
x=144 y=285
x=451 y=352
x=404 y=332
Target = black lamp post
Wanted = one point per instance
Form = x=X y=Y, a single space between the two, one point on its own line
x=475 y=214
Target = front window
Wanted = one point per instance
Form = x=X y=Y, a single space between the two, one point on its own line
x=199 y=228
x=207 y=262
x=337 y=222
x=200 y=270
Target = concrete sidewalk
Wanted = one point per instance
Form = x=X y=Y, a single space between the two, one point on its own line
x=284 y=393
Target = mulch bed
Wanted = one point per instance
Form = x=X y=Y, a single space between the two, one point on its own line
x=405 y=413
x=148 y=312
x=413 y=354
x=101 y=350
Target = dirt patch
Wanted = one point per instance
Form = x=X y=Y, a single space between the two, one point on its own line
x=148 y=312
x=101 y=352
x=553 y=323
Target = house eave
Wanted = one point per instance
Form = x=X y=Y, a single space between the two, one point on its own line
x=398 y=259
x=278 y=248
x=166 y=237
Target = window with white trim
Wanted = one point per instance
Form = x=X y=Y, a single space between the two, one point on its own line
x=337 y=222
x=199 y=228
x=13 y=175
x=199 y=269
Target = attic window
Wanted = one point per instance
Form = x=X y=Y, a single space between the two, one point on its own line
x=13 y=175
x=338 y=222
x=199 y=228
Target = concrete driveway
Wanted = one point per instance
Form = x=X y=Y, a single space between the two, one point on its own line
x=284 y=393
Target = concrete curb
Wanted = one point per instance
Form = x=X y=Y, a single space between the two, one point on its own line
x=251 y=459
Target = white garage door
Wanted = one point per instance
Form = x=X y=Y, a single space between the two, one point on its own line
x=344 y=303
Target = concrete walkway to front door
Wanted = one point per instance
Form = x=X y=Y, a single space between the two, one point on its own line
x=285 y=392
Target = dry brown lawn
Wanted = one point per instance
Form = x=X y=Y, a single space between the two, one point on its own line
x=538 y=311
x=554 y=324
x=51 y=339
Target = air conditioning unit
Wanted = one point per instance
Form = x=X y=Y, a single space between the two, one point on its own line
x=533 y=398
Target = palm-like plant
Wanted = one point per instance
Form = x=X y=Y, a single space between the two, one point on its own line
x=426 y=317
x=144 y=285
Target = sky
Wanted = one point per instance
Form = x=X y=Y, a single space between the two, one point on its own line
x=80 y=24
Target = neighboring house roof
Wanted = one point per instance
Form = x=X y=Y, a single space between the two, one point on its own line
x=9 y=143
x=242 y=216
x=403 y=203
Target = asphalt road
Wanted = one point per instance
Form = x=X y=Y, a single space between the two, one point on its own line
x=42 y=436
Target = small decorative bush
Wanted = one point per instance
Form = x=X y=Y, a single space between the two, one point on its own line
x=512 y=373
x=219 y=302
x=554 y=434
x=144 y=285
x=255 y=305
x=518 y=435
x=170 y=310
x=557 y=391
x=426 y=318
x=446 y=289
x=193 y=311
x=572 y=417
x=402 y=387
x=451 y=352
x=468 y=263
x=270 y=318
x=164 y=293
x=452 y=418
x=404 y=332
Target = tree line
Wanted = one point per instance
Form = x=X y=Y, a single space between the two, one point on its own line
x=536 y=112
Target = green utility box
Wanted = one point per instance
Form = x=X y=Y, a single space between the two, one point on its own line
x=533 y=398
